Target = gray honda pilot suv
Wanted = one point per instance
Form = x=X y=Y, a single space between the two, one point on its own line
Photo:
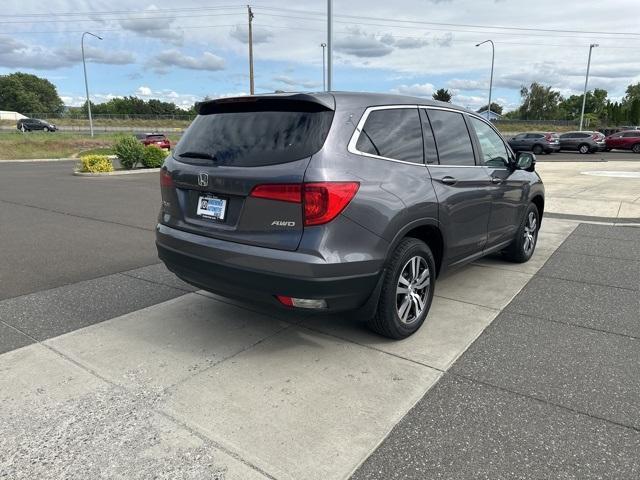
x=342 y=201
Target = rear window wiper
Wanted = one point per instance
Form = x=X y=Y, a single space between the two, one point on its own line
x=204 y=155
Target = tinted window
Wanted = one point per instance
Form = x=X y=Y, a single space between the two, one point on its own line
x=567 y=135
x=631 y=134
x=493 y=151
x=582 y=135
x=520 y=136
x=430 y=152
x=452 y=138
x=393 y=133
x=250 y=139
x=534 y=135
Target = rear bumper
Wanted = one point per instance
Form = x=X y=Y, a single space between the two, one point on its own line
x=257 y=274
x=552 y=148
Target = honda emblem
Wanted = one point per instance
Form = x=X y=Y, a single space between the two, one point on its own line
x=203 y=179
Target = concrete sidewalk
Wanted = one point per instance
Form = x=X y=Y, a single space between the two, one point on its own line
x=199 y=387
x=550 y=390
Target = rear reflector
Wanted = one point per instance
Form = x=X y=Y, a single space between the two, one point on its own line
x=302 y=302
x=323 y=201
x=165 y=179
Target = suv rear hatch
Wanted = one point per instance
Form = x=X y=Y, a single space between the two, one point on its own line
x=234 y=146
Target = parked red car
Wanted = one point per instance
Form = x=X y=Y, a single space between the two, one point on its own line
x=157 y=139
x=627 y=140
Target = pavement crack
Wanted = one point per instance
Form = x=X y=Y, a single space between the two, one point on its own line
x=60 y=212
x=542 y=400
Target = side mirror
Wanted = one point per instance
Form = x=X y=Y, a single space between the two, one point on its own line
x=526 y=161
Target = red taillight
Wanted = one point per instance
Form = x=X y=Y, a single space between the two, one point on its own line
x=288 y=301
x=165 y=179
x=323 y=201
x=285 y=192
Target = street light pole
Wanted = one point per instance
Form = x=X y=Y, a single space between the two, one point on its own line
x=86 y=83
x=493 y=54
x=329 y=44
x=324 y=75
x=250 y=13
x=586 y=81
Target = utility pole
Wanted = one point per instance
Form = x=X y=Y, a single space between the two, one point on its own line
x=324 y=74
x=329 y=44
x=250 y=13
x=586 y=81
x=86 y=82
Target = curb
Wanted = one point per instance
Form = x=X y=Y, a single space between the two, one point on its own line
x=116 y=172
x=30 y=160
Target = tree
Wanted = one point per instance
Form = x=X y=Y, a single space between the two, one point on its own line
x=28 y=94
x=495 y=108
x=539 y=102
x=443 y=95
x=596 y=103
x=633 y=92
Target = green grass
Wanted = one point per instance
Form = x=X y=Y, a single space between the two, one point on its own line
x=17 y=145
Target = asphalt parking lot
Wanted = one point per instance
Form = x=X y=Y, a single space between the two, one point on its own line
x=111 y=367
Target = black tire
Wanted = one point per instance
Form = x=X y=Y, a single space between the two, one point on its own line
x=387 y=321
x=636 y=148
x=537 y=149
x=584 y=148
x=518 y=252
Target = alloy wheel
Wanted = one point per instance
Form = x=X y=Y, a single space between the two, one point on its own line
x=412 y=290
x=530 y=233
x=584 y=149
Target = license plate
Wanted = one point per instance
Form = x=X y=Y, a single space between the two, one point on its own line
x=211 y=207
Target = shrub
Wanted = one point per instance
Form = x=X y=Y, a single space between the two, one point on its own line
x=130 y=151
x=95 y=163
x=153 y=156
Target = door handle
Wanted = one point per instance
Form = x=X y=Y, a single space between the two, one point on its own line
x=449 y=180
x=496 y=180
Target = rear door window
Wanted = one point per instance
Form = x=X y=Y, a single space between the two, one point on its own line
x=392 y=133
x=631 y=134
x=452 y=137
x=254 y=138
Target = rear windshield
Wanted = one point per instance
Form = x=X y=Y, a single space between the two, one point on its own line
x=252 y=139
x=155 y=137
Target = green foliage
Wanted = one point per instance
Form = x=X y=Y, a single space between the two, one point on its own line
x=95 y=163
x=130 y=151
x=596 y=103
x=443 y=95
x=28 y=94
x=133 y=106
x=153 y=156
x=539 y=102
x=495 y=108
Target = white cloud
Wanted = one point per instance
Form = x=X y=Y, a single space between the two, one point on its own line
x=416 y=90
x=15 y=54
x=361 y=44
x=167 y=59
x=293 y=82
x=150 y=24
x=143 y=91
x=241 y=33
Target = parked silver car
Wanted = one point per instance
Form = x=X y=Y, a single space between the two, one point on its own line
x=583 y=142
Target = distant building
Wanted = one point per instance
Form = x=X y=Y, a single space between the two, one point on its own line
x=7 y=115
x=493 y=116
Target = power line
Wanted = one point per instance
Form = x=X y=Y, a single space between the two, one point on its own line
x=118 y=12
x=497 y=27
x=123 y=19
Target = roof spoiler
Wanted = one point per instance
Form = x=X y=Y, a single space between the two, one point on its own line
x=292 y=102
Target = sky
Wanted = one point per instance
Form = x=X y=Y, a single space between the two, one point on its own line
x=184 y=51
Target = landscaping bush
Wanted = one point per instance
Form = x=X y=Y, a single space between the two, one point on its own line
x=153 y=156
x=95 y=163
x=130 y=151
